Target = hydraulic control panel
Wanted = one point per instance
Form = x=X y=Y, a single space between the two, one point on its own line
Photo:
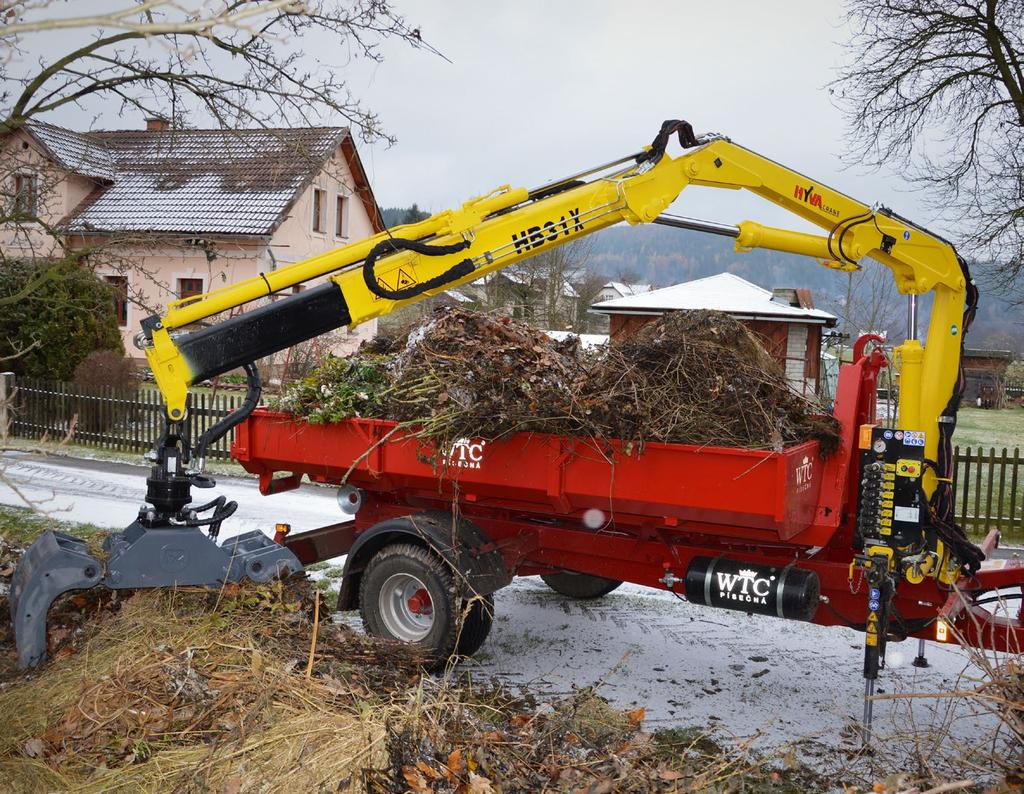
x=890 y=507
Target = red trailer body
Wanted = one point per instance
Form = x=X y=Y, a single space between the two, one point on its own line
x=550 y=503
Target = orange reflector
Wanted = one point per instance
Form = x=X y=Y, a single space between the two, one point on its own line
x=941 y=631
x=865 y=436
x=283 y=529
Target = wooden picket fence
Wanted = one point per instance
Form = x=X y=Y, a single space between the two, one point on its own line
x=989 y=488
x=107 y=418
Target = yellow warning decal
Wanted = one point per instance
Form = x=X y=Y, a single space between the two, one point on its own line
x=403 y=279
x=406 y=280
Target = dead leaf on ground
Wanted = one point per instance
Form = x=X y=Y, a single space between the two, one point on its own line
x=34 y=748
x=414 y=780
x=478 y=784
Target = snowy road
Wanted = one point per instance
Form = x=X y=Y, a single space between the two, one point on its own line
x=109 y=494
x=687 y=665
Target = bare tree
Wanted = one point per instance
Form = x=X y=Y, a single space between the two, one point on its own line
x=872 y=304
x=937 y=86
x=588 y=285
x=238 y=62
x=540 y=289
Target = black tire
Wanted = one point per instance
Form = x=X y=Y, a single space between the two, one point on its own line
x=476 y=625
x=580 y=585
x=457 y=626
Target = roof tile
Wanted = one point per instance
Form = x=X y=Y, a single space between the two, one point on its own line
x=190 y=181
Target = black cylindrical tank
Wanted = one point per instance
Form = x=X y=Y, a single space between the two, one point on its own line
x=786 y=592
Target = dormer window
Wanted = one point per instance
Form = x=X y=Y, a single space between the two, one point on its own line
x=26 y=195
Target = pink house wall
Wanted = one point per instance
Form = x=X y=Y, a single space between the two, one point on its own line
x=153 y=266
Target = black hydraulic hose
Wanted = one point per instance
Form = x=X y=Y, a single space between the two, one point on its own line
x=392 y=244
x=252 y=399
x=687 y=139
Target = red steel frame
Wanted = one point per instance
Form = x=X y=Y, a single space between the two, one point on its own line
x=659 y=509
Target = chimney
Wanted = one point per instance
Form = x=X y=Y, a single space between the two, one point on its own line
x=157 y=124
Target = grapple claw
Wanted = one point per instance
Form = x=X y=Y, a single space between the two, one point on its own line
x=139 y=557
x=54 y=564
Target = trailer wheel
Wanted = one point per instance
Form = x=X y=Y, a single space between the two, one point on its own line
x=580 y=585
x=407 y=593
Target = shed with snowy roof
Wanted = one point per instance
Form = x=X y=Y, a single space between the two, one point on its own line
x=784 y=319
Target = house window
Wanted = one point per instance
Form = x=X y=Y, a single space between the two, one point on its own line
x=26 y=195
x=189 y=287
x=119 y=288
x=318 y=210
x=341 y=217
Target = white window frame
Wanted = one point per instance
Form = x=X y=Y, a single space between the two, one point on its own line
x=191 y=276
x=342 y=201
x=318 y=218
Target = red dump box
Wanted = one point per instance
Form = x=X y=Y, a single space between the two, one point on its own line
x=669 y=516
x=748 y=493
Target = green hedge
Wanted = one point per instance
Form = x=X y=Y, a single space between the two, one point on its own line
x=62 y=308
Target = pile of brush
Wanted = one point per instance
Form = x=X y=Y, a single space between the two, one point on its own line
x=698 y=377
x=689 y=377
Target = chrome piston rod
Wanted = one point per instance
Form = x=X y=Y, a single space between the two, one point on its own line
x=698 y=225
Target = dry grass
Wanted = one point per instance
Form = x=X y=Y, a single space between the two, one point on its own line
x=199 y=691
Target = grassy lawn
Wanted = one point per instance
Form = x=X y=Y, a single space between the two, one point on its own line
x=21 y=525
x=982 y=430
x=977 y=427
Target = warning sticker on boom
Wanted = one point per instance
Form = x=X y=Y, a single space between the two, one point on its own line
x=403 y=279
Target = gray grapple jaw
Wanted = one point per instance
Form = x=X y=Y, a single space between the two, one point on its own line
x=139 y=557
x=54 y=564
x=164 y=547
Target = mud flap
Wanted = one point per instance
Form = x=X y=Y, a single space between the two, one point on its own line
x=54 y=564
x=139 y=557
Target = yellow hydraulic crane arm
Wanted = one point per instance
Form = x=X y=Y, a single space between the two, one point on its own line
x=378 y=275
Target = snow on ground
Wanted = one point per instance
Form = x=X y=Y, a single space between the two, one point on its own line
x=109 y=494
x=688 y=665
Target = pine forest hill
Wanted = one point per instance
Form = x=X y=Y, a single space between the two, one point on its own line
x=664 y=256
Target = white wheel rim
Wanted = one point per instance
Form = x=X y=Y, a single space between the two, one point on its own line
x=406 y=607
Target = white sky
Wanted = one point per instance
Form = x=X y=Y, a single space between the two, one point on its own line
x=538 y=90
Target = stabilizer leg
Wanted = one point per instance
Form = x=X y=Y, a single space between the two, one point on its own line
x=920 y=660
x=881 y=589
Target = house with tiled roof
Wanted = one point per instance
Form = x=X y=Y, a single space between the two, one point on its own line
x=178 y=212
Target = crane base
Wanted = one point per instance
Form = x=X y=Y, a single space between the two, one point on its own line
x=139 y=557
